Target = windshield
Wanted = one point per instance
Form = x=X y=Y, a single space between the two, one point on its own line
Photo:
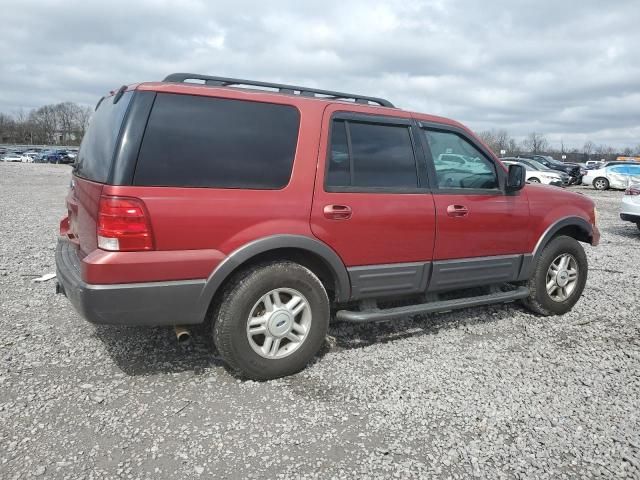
x=554 y=161
x=538 y=166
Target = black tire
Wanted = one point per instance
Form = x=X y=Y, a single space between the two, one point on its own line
x=239 y=298
x=638 y=225
x=539 y=300
x=601 y=183
x=534 y=180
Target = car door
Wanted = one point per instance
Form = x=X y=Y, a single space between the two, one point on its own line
x=618 y=176
x=372 y=203
x=634 y=175
x=482 y=232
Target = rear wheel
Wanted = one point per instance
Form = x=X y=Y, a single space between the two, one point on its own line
x=601 y=183
x=559 y=277
x=272 y=320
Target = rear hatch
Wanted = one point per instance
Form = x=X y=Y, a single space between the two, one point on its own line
x=92 y=169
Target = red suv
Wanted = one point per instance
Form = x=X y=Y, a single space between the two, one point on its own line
x=257 y=207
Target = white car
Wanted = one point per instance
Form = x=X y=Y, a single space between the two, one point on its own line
x=29 y=157
x=547 y=177
x=630 y=210
x=616 y=176
x=12 y=157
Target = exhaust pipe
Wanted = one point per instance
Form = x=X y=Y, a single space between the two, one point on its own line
x=183 y=335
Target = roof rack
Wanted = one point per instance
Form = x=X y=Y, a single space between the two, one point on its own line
x=281 y=88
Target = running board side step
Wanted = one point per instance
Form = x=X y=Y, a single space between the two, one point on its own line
x=382 y=315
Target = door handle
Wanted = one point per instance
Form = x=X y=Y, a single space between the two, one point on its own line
x=337 y=212
x=457 y=211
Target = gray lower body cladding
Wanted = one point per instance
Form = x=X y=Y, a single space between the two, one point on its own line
x=379 y=281
x=149 y=304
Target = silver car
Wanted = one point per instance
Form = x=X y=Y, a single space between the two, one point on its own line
x=630 y=210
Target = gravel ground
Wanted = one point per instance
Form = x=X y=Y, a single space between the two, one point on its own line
x=491 y=392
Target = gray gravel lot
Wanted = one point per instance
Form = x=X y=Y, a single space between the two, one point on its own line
x=491 y=392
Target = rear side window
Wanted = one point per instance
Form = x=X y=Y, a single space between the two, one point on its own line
x=99 y=143
x=371 y=155
x=194 y=141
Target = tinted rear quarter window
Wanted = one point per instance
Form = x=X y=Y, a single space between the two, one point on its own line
x=195 y=141
x=98 y=145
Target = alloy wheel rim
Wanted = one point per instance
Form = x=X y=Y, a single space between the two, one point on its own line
x=562 y=277
x=600 y=184
x=279 y=323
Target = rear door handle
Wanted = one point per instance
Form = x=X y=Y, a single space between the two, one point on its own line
x=337 y=212
x=457 y=211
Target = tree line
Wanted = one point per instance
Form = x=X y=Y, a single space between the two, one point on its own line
x=537 y=144
x=60 y=123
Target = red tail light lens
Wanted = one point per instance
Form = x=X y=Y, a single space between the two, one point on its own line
x=634 y=190
x=123 y=225
x=64 y=226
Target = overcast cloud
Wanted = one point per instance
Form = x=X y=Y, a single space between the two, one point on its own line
x=569 y=69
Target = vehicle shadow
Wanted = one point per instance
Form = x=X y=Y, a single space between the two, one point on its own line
x=148 y=351
x=624 y=230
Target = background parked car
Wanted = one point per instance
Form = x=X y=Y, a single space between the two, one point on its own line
x=574 y=171
x=630 y=210
x=594 y=164
x=616 y=176
x=599 y=165
x=13 y=157
x=545 y=176
x=55 y=156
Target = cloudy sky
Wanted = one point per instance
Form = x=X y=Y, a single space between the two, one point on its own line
x=569 y=69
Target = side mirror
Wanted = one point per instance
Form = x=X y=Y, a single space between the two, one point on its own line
x=516 y=178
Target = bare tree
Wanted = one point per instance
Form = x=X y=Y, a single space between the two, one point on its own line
x=536 y=143
x=587 y=149
x=82 y=120
x=488 y=138
x=45 y=123
x=496 y=140
x=7 y=128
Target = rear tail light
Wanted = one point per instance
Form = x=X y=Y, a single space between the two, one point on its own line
x=635 y=190
x=64 y=226
x=123 y=225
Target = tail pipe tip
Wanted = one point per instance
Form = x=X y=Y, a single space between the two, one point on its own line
x=183 y=335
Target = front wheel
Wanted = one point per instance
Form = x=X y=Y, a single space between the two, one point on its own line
x=601 y=183
x=559 y=277
x=272 y=320
x=534 y=180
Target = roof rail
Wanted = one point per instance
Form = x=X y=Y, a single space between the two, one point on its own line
x=281 y=88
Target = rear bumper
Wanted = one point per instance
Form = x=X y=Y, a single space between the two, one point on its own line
x=147 y=303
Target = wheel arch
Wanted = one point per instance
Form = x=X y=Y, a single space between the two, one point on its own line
x=574 y=227
x=313 y=254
